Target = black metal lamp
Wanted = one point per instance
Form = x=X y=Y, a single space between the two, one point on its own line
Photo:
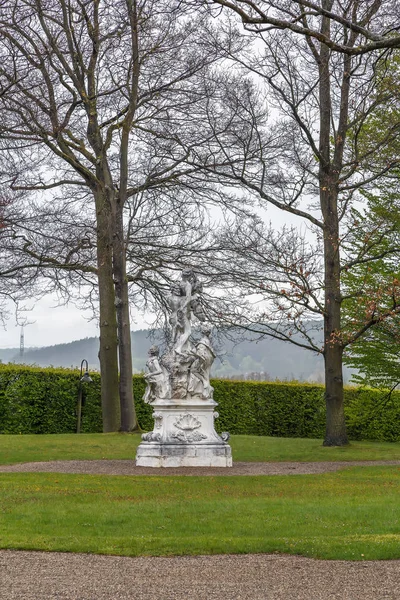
x=84 y=378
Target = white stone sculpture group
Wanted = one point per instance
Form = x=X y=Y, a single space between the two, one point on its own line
x=184 y=370
x=178 y=387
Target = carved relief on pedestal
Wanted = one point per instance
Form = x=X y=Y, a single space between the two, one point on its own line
x=158 y=417
x=151 y=436
x=188 y=424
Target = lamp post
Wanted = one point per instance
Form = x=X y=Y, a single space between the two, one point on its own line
x=84 y=378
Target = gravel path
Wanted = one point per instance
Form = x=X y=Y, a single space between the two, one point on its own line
x=61 y=576
x=128 y=467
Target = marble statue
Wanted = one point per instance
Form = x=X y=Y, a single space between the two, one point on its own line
x=184 y=300
x=178 y=387
x=156 y=377
x=199 y=376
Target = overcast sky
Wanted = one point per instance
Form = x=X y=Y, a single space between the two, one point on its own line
x=49 y=324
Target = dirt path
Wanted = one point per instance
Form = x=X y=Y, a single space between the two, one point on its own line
x=128 y=467
x=60 y=576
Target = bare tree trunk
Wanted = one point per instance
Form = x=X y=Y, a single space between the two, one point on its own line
x=328 y=175
x=128 y=413
x=333 y=351
x=108 y=323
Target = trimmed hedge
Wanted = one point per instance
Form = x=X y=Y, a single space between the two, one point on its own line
x=34 y=400
x=373 y=414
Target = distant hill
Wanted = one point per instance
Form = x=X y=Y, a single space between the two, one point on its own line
x=61 y=355
x=267 y=359
x=8 y=354
x=71 y=354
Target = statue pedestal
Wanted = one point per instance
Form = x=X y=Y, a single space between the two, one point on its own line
x=184 y=436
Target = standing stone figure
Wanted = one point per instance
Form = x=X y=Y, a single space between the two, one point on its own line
x=182 y=301
x=199 y=378
x=156 y=377
x=176 y=316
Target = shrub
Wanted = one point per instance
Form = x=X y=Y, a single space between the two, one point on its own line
x=275 y=409
x=373 y=414
x=34 y=400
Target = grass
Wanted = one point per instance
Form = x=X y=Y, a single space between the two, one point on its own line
x=270 y=449
x=353 y=514
x=87 y=446
x=27 y=448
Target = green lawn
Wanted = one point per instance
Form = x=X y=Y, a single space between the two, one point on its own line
x=353 y=514
x=26 y=448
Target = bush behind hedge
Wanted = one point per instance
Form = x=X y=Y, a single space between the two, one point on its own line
x=36 y=400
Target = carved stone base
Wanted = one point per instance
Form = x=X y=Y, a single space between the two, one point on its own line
x=150 y=454
x=184 y=436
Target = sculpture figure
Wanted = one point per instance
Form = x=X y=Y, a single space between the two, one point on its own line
x=182 y=301
x=184 y=369
x=156 y=378
x=199 y=378
x=175 y=318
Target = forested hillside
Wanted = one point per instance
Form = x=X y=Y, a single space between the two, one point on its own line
x=266 y=359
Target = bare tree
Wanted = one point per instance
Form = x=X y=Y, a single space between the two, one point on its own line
x=318 y=63
x=374 y=23
x=109 y=101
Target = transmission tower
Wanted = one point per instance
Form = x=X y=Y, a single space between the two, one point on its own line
x=21 y=342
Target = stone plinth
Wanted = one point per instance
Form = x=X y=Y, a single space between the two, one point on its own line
x=184 y=436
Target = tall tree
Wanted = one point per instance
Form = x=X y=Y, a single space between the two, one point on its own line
x=373 y=289
x=108 y=101
x=317 y=61
x=374 y=286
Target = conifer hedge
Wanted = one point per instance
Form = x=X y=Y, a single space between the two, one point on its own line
x=35 y=400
